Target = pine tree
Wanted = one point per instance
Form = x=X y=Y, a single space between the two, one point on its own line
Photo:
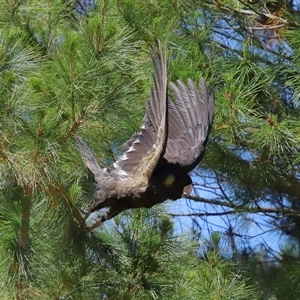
x=66 y=68
x=249 y=53
x=84 y=67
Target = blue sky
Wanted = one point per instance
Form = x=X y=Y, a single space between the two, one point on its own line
x=251 y=230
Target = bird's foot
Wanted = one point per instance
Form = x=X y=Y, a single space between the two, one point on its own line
x=95 y=225
x=86 y=213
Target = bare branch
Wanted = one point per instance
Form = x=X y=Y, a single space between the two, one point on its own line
x=241 y=208
x=204 y=214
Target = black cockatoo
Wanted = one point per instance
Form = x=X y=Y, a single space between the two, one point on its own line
x=155 y=162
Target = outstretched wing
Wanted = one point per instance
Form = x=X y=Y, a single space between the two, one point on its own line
x=90 y=160
x=144 y=150
x=190 y=121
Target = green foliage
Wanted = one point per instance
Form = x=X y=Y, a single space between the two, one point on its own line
x=214 y=282
x=62 y=73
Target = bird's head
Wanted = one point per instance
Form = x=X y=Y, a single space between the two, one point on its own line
x=181 y=184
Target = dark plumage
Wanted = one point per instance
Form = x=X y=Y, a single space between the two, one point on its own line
x=155 y=162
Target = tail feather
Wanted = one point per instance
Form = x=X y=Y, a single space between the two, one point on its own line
x=89 y=158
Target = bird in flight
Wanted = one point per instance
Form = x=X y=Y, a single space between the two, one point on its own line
x=155 y=162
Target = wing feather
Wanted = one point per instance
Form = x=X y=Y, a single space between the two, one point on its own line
x=187 y=104
x=190 y=121
x=144 y=150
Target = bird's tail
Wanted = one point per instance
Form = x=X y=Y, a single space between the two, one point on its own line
x=89 y=158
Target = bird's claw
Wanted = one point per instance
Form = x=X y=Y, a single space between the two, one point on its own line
x=96 y=224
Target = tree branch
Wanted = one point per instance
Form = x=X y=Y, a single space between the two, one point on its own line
x=204 y=214
x=252 y=13
x=238 y=208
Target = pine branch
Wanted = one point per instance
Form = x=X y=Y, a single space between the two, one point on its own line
x=251 y=12
x=56 y=190
x=72 y=129
x=237 y=208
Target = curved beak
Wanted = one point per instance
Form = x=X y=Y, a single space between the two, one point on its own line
x=187 y=190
